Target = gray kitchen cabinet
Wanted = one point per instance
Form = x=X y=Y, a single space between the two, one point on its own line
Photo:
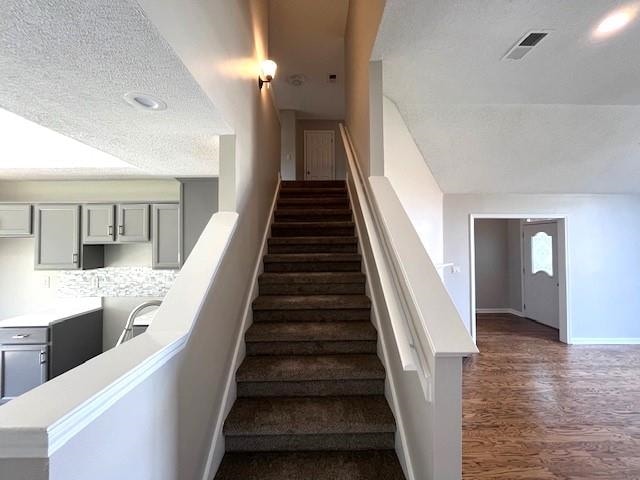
x=166 y=235
x=22 y=367
x=57 y=237
x=133 y=223
x=30 y=356
x=15 y=220
x=98 y=223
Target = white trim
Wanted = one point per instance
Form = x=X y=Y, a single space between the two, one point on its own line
x=216 y=448
x=605 y=341
x=564 y=316
x=511 y=311
x=333 y=150
x=375 y=318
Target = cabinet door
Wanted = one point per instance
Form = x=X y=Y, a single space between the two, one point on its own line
x=98 y=224
x=22 y=367
x=57 y=237
x=133 y=223
x=15 y=220
x=166 y=236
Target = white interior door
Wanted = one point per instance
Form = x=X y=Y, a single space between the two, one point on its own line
x=540 y=272
x=319 y=155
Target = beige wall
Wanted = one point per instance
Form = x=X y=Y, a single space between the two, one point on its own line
x=362 y=26
x=340 y=154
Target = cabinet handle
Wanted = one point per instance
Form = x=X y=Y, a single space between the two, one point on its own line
x=121 y=229
x=110 y=229
x=43 y=358
x=21 y=336
x=75 y=258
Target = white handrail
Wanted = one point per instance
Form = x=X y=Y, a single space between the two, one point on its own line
x=413 y=310
x=411 y=352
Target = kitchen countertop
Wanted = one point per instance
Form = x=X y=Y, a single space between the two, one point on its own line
x=60 y=311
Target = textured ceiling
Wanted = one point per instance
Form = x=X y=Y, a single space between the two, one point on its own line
x=565 y=119
x=66 y=65
x=307 y=37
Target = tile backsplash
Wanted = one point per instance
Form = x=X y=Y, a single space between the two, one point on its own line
x=116 y=282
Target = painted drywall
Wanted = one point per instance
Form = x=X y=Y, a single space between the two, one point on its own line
x=363 y=20
x=198 y=203
x=603 y=233
x=221 y=43
x=492 y=263
x=514 y=265
x=340 y=153
x=412 y=181
x=288 y=144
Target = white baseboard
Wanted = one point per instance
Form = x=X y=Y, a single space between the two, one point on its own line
x=605 y=341
x=217 y=448
x=511 y=311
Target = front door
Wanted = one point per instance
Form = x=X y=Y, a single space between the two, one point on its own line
x=319 y=155
x=540 y=272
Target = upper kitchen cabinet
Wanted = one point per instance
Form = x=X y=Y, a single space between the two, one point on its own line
x=57 y=237
x=15 y=220
x=98 y=223
x=166 y=236
x=133 y=223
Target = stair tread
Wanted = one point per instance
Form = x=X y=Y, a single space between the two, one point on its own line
x=310 y=416
x=312 y=240
x=365 y=465
x=311 y=257
x=311 y=332
x=312 y=183
x=288 y=278
x=316 y=224
x=311 y=302
x=307 y=211
x=300 y=368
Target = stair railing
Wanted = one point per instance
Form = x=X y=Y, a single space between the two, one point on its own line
x=418 y=342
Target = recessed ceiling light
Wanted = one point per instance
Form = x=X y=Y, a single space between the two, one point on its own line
x=616 y=21
x=145 y=101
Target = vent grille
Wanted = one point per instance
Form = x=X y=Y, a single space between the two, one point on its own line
x=525 y=45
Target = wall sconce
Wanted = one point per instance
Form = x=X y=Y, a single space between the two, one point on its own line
x=267 y=72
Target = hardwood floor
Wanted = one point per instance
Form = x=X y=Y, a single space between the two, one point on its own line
x=535 y=408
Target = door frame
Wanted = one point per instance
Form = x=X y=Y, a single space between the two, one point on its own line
x=564 y=315
x=333 y=151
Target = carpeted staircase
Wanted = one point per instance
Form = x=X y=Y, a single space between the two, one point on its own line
x=311 y=402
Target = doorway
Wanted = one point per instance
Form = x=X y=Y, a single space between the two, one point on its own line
x=522 y=264
x=319 y=155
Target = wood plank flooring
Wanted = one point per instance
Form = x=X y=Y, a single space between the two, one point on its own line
x=535 y=408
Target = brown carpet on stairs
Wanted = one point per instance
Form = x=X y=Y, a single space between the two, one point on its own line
x=311 y=399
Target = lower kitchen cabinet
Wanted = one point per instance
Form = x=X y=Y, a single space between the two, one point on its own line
x=29 y=356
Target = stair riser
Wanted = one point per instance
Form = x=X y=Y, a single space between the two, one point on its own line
x=313 y=267
x=313 y=248
x=293 y=230
x=311 y=388
x=312 y=203
x=313 y=192
x=331 y=442
x=315 y=183
x=313 y=289
x=312 y=315
x=313 y=217
x=311 y=348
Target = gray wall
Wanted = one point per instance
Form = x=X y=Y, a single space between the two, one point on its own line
x=498 y=264
x=603 y=233
x=198 y=203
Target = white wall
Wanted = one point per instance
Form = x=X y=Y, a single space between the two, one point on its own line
x=288 y=144
x=603 y=233
x=498 y=264
x=412 y=181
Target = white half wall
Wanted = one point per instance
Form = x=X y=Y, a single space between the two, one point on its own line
x=603 y=234
x=409 y=174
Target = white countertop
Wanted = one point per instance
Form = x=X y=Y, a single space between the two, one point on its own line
x=61 y=310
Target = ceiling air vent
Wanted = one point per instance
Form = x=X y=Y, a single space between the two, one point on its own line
x=525 y=45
